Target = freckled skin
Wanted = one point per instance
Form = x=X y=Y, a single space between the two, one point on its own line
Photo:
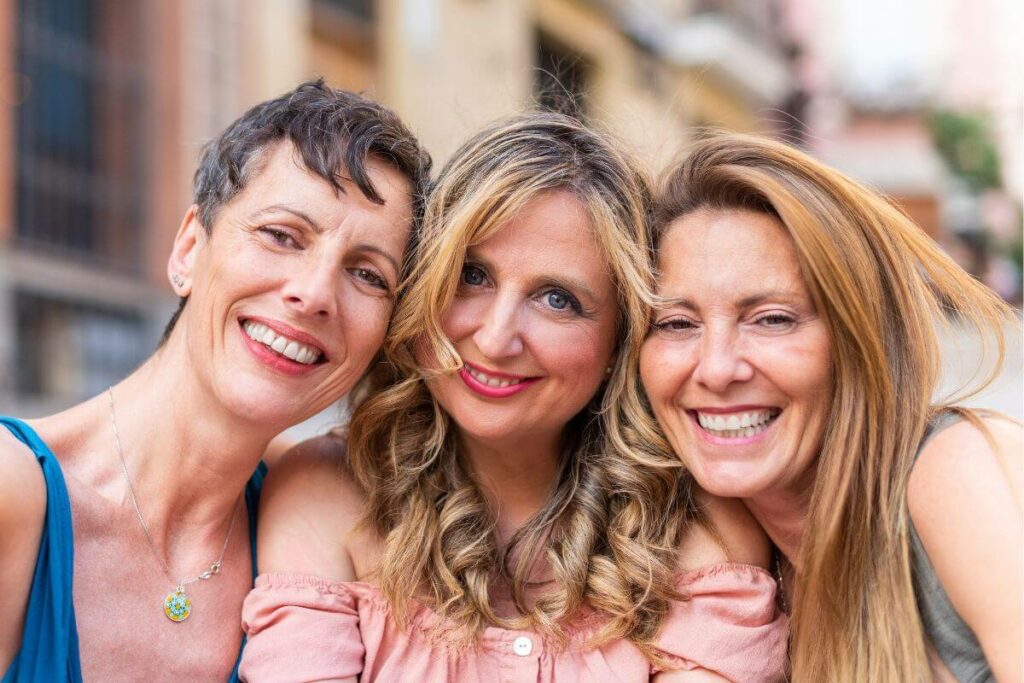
x=742 y=331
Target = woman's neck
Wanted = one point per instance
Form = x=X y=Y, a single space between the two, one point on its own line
x=517 y=476
x=187 y=457
x=783 y=516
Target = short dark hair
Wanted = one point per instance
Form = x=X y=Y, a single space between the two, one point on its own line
x=334 y=131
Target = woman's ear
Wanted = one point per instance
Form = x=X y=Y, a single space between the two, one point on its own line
x=187 y=243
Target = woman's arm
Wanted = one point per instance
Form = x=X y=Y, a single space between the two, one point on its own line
x=964 y=498
x=22 y=515
x=740 y=540
x=309 y=509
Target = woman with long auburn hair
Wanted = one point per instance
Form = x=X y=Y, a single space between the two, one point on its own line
x=792 y=363
x=500 y=508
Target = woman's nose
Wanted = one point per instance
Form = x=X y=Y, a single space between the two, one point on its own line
x=722 y=360
x=498 y=334
x=313 y=289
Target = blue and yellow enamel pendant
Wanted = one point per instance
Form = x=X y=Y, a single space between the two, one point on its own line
x=177 y=606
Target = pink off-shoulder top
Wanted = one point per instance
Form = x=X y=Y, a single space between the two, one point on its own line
x=305 y=628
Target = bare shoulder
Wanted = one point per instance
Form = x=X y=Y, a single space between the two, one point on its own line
x=964 y=500
x=734 y=536
x=22 y=516
x=22 y=490
x=310 y=509
x=963 y=464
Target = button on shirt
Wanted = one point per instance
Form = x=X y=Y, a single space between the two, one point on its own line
x=729 y=625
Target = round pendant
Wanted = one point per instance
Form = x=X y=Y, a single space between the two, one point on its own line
x=177 y=606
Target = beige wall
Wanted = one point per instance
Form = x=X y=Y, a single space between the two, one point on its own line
x=713 y=105
x=449 y=66
x=632 y=92
x=344 y=64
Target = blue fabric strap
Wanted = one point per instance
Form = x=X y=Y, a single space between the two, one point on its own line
x=49 y=648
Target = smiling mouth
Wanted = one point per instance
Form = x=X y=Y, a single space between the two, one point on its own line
x=493 y=381
x=738 y=425
x=494 y=385
x=281 y=344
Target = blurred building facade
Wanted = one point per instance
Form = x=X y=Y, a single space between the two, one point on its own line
x=105 y=105
x=924 y=102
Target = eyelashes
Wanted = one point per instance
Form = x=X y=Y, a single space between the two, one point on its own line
x=280 y=237
x=769 y=322
x=371 y=278
x=556 y=299
x=284 y=239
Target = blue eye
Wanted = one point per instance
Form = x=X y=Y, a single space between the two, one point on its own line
x=561 y=301
x=558 y=300
x=471 y=275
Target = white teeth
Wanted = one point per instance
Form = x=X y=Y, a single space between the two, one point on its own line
x=489 y=381
x=738 y=425
x=289 y=348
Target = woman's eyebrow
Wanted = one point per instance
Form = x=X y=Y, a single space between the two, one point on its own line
x=760 y=297
x=304 y=217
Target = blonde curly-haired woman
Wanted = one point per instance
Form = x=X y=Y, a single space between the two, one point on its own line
x=496 y=510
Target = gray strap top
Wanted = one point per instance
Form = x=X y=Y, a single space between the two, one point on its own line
x=953 y=639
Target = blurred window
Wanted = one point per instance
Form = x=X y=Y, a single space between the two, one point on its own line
x=360 y=9
x=79 y=141
x=561 y=78
x=70 y=350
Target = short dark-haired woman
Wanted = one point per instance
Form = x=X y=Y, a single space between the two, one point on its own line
x=126 y=522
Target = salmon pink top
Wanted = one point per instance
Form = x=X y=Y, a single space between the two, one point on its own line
x=306 y=628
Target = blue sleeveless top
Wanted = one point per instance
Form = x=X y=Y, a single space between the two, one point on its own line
x=49 y=646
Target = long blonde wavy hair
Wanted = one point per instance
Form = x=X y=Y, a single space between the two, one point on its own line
x=609 y=530
x=881 y=285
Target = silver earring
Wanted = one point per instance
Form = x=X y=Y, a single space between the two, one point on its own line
x=177 y=280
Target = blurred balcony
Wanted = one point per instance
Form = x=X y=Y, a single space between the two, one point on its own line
x=718 y=47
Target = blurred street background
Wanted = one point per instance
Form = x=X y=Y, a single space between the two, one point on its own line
x=105 y=104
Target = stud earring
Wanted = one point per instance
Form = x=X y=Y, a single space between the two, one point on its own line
x=177 y=280
x=608 y=370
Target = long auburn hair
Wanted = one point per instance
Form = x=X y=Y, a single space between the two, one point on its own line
x=881 y=285
x=609 y=531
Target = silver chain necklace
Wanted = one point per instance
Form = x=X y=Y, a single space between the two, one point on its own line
x=177 y=605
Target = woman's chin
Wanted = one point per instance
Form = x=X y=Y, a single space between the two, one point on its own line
x=267 y=406
x=730 y=480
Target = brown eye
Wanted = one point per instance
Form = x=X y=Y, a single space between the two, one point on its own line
x=371 y=278
x=675 y=326
x=775 y=320
x=279 y=237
